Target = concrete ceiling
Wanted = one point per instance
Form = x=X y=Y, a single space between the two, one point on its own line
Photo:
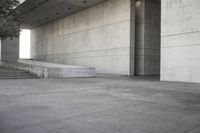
x=38 y=12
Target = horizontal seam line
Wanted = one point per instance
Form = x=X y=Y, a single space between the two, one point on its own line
x=180 y=34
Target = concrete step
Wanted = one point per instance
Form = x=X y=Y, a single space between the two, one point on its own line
x=6 y=73
x=19 y=77
x=51 y=70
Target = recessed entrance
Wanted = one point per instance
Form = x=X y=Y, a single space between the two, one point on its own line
x=147 y=37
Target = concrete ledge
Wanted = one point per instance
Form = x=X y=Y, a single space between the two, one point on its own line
x=51 y=70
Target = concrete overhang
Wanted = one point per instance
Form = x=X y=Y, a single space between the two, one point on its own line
x=39 y=12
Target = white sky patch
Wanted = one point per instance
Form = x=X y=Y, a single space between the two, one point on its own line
x=25 y=44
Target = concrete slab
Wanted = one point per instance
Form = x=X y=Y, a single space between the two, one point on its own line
x=98 y=105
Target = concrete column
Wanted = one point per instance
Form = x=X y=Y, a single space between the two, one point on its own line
x=10 y=50
x=0 y=50
x=180 y=48
x=132 y=39
x=147 y=39
x=33 y=44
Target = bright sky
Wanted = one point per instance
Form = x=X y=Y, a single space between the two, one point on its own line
x=24 y=44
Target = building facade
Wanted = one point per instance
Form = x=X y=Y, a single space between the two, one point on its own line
x=109 y=36
x=125 y=37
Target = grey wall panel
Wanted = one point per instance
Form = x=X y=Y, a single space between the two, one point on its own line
x=96 y=37
x=180 y=41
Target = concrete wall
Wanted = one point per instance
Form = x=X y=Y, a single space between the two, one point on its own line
x=147 y=40
x=97 y=37
x=10 y=50
x=180 y=40
x=0 y=49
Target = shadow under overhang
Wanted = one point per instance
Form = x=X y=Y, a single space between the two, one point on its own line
x=39 y=12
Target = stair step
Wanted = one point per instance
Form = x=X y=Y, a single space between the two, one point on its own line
x=6 y=73
x=18 y=77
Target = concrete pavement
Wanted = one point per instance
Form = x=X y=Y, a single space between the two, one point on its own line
x=106 y=104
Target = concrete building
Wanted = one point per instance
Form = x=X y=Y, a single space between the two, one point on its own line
x=125 y=37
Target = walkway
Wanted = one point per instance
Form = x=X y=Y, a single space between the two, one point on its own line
x=98 y=105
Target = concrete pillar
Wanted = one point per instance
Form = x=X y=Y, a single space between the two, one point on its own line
x=0 y=50
x=132 y=39
x=180 y=47
x=33 y=45
x=10 y=50
x=147 y=39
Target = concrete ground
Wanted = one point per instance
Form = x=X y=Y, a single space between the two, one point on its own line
x=98 y=105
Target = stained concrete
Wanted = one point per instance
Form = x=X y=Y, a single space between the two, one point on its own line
x=180 y=41
x=99 y=105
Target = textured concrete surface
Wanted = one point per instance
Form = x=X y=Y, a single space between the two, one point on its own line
x=96 y=37
x=99 y=105
x=10 y=50
x=50 y=70
x=147 y=41
x=180 y=41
